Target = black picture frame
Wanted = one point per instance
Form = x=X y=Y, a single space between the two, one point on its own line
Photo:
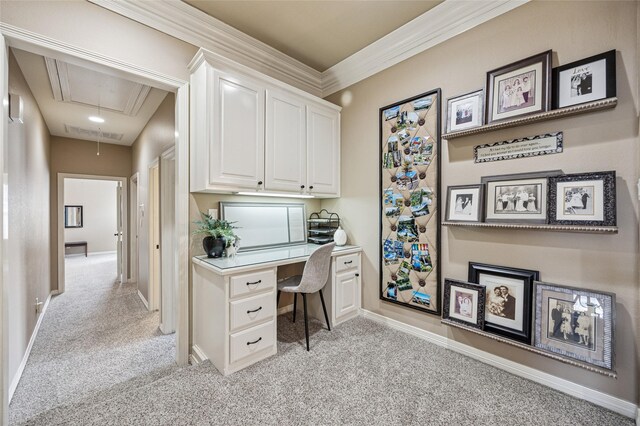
x=528 y=277
x=498 y=102
x=426 y=294
x=604 y=88
x=592 y=343
x=475 y=321
x=603 y=214
x=541 y=182
x=479 y=205
x=79 y=217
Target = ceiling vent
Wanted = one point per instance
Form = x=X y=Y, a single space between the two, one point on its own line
x=92 y=134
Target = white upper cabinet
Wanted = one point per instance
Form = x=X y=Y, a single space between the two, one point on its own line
x=237 y=142
x=250 y=132
x=323 y=150
x=285 y=148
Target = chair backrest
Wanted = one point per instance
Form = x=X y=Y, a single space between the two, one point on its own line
x=316 y=270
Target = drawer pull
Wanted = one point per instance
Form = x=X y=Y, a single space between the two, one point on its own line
x=255 y=310
x=346 y=263
x=254 y=342
x=254 y=283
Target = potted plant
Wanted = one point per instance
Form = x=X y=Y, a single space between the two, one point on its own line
x=218 y=234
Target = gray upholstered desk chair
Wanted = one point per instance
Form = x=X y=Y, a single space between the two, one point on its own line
x=313 y=279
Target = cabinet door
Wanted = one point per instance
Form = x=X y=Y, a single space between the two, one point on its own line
x=237 y=143
x=347 y=293
x=323 y=151
x=286 y=152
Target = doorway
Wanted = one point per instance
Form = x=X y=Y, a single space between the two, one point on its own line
x=91 y=221
x=14 y=37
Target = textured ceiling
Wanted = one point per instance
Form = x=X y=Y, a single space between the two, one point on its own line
x=317 y=33
x=68 y=94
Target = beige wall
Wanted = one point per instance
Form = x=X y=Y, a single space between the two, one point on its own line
x=598 y=141
x=157 y=136
x=27 y=246
x=99 y=213
x=77 y=156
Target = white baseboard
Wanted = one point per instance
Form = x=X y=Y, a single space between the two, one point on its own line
x=602 y=399
x=144 y=301
x=197 y=356
x=16 y=379
x=95 y=253
x=638 y=417
x=285 y=309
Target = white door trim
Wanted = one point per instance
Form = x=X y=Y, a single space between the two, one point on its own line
x=134 y=220
x=4 y=335
x=60 y=207
x=168 y=248
x=153 y=221
x=32 y=42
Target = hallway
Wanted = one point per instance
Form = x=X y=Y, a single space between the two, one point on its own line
x=95 y=339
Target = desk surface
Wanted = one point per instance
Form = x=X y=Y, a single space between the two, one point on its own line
x=266 y=257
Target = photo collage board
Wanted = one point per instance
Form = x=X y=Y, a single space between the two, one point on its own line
x=410 y=202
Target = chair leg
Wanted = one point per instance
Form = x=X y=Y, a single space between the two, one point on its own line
x=306 y=321
x=277 y=300
x=295 y=300
x=324 y=309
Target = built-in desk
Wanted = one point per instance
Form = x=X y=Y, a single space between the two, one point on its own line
x=234 y=301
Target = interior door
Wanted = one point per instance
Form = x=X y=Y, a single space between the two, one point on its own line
x=120 y=230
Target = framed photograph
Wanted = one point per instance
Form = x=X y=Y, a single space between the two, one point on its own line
x=583 y=199
x=575 y=323
x=464 y=302
x=410 y=206
x=465 y=111
x=586 y=80
x=464 y=203
x=508 y=299
x=520 y=88
x=518 y=197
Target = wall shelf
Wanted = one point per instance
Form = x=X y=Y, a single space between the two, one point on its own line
x=534 y=118
x=533 y=349
x=542 y=227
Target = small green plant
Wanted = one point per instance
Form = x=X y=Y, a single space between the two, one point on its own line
x=216 y=228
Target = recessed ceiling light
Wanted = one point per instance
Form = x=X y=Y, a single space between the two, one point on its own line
x=96 y=119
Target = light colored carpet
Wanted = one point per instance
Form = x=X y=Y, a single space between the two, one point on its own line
x=361 y=373
x=96 y=338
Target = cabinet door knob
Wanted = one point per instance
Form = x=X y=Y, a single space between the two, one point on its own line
x=259 y=182
x=301 y=186
x=311 y=187
x=357 y=275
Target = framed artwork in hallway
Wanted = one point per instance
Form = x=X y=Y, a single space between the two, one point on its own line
x=409 y=212
x=464 y=303
x=576 y=323
x=508 y=299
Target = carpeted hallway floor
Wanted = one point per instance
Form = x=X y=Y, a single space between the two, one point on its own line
x=360 y=373
x=96 y=336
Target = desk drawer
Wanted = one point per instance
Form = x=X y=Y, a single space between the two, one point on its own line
x=348 y=261
x=252 y=282
x=248 y=342
x=252 y=310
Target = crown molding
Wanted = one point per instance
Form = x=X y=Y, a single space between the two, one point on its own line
x=186 y=23
x=445 y=21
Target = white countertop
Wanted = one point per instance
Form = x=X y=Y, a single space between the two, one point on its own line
x=266 y=257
